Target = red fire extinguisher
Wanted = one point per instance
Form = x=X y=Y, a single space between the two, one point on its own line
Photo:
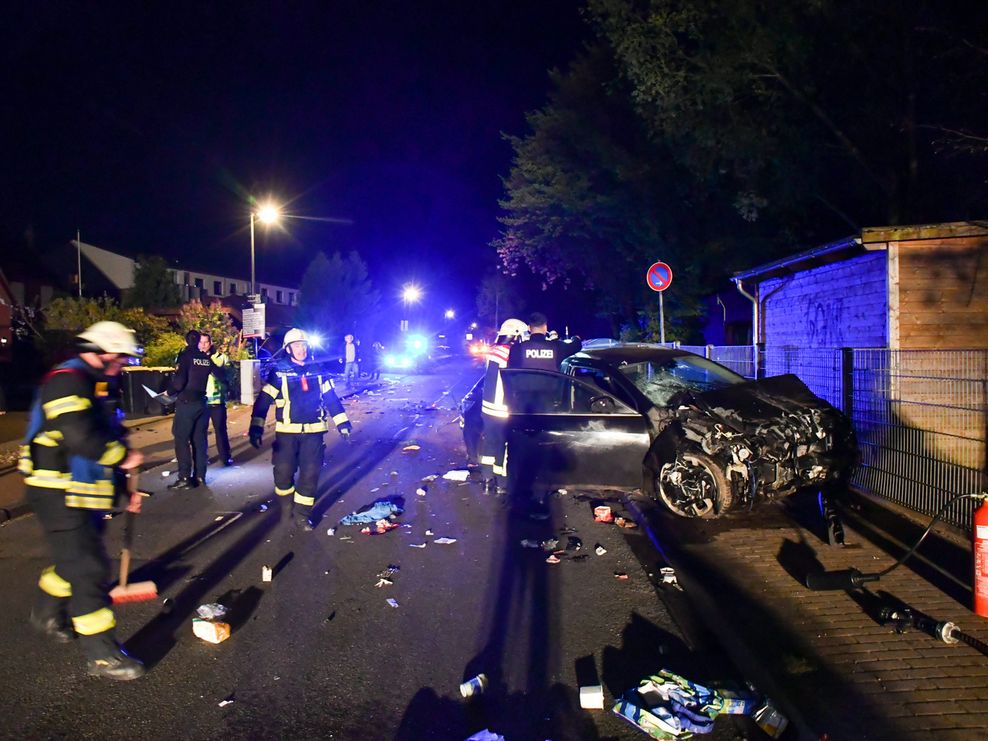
x=980 y=531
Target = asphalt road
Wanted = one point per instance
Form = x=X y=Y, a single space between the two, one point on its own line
x=318 y=652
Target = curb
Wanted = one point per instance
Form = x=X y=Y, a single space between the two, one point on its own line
x=744 y=657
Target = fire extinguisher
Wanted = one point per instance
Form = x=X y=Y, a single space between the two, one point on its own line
x=980 y=532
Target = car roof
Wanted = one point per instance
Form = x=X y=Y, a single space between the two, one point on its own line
x=628 y=352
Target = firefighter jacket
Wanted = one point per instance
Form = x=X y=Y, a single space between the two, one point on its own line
x=493 y=404
x=218 y=382
x=304 y=402
x=73 y=441
x=539 y=353
x=192 y=375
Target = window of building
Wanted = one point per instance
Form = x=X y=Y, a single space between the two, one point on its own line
x=291 y=298
x=185 y=278
x=233 y=288
x=200 y=283
x=217 y=288
x=264 y=293
x=279 y=297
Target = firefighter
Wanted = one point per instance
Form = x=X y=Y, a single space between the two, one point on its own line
x=217 y=391
x=305 y=403
x=190 y=426
x=493 y=455
x=539 y=351
x=72 y=446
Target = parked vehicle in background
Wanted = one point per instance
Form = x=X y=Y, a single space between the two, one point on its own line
x=698 y=437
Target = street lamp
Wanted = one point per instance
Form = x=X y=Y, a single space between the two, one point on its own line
x=268 y=214
x=450 y=314
x=410 y=294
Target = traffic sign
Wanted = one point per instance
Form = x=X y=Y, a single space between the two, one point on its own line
x=253 y=321
x=659 y=276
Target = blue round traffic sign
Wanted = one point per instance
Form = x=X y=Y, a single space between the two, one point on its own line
x=659 y=276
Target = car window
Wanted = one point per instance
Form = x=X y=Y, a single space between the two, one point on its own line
x=660 y=380
x=601 y=379
x=542 y=392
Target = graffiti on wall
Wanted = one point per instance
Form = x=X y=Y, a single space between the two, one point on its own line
x=825 y=322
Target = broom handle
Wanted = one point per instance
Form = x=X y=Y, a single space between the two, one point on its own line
x=128 y=537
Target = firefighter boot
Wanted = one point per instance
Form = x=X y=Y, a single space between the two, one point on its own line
x=107 y=658
x=303 y=520
x=49 y=615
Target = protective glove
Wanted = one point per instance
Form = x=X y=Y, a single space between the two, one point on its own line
x=255 y=434
x=344 y=428
x=166 y=399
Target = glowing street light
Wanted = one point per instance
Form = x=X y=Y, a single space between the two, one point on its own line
x=450 y=314
x=268 y=214
x=411 y=293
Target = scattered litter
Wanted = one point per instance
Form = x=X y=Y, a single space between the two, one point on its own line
x=669 y=577
x=444 y=541
x=621 y=575
x=165 y=474
x=573 y=543
x=457 y=475
x=486 y=735
x=376 y=488
x=208 y=625
x=389 y=572
x=416 y=545
x=217 y=518
x=474 y=686
x=599 y=549
x=262 y=507
x=410 y=448
x=562 y=492
x=380 y=527
x=382 y=582
x=770 y=720
x=345 y=537
x=550 y=544
x=266 y=573
x=394 y=474
x=378 y=509
x=429 y=532
x=173 y=460
x=392 y=602
x=602 y=514
x=211 y=611
x=109 y=515
x=421 y=491
x=330 y=617
x=592 y=697
x=552 y=559
x=529 y=543
x=431 y=477
x=227 y=701
x=624 y=522
x=331 y=532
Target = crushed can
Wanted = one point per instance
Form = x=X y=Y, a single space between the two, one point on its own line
x=475 y=686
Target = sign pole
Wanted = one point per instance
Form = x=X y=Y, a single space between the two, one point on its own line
x=662 y=319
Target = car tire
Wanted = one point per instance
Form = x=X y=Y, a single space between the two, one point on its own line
x=694 y=486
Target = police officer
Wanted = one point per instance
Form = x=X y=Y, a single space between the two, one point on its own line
x=538 y=351
x=305 y=402
x=72 y=448
x=188 y=389
x=494 y=410
x=217 y=391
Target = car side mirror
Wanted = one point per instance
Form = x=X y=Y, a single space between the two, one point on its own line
x=602 y=405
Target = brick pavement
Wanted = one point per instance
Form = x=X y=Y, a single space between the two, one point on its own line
x=824 y=656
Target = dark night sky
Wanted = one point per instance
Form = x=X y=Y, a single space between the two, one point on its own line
x=146 y=125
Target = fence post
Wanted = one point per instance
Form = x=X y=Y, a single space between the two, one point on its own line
x=708 y=352
x=847 y=381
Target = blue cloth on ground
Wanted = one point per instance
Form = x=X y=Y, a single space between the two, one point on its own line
x=380 y=509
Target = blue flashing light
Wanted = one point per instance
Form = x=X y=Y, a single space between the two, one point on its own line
x=315 y=340
x=416 y=344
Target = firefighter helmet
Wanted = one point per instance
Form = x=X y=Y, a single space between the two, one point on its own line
x=110 y=337
x=513 y=329
x=295 y=335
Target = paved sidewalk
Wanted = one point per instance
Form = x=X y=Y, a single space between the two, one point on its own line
x=825 y=657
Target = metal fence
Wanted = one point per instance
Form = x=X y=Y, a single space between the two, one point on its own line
x=920 y=415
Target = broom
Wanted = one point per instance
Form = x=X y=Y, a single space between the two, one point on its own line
x=142 y=590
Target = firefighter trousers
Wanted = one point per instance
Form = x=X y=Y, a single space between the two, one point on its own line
x=77 y=580
x=301 y=452
x=217 y=415
x=494 y=446
x=190 y=428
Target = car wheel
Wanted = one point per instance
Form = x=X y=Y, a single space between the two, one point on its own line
x=694 y=485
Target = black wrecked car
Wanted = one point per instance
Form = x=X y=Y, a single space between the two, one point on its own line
x=700 y=438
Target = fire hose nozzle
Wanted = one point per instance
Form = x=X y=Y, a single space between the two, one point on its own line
x=845 y=580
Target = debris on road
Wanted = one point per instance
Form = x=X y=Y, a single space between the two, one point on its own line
x=227 y=701
x=262 y=507
x=416 y=545
x=552 y=559
x=769 y=719
x=592 y=697
x=380 y=527
x=411 y=448
x=208 y=624
x=444 y=541
x=377 y=510
x=620 y=575
x=599 y=549
x=421 y=491
x=457 y=474
x=430 y=478
x=331 y=532
x=266 y=573
x=669 y=577
x=486 y=735
x=624 y=522
x=474 y=686
x=529 y=543
x=392 y=602
x=389 y=572
x=602 y=514
x=165 y=474
x=573 y=543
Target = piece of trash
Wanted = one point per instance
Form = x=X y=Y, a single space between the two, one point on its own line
x=217 y=518
x=330 y=617
x=621 y=575
x=211 y=611
x=108 y=516
x=227 y=701
x=380 y=527
x=376 y=488
x=669 y=576
x=562 y=492
x=378 y=509
x=592 y=697
x=429 y=532
x=573 y=543
x=529 y=543
x=457 y=475
x=416 y=545
x=410 y=448
x=550 y=544
x=394 y=474
x=486 y=735
x=392 y=602
x=389 y=572
x=262 y=507
x=602 y=514
x=165 y=474
x=383 y=583
x=266 y=573
x=210 y=631
x=770 y=720
x=421 y=491
x=599 y=549
x=444 y=541
x=331 y=532
x=173 y=460
x=552 y=559
x=345 y=537
x=474 y=686
x=624 y=522
x=431 y=477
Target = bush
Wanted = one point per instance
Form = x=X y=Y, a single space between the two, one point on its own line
x=162 y=351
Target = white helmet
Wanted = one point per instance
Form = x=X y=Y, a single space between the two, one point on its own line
x=295 y=335
x=513 y=328
x=110 y=337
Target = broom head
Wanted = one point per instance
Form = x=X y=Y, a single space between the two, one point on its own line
x=138 y=592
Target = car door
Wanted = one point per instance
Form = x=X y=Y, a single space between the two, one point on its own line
x=564 y=432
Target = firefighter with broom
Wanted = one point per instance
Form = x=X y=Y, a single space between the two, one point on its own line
x=70 y=455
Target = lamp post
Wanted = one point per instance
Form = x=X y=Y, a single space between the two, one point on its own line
x=410 y=294
x=268 y=214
